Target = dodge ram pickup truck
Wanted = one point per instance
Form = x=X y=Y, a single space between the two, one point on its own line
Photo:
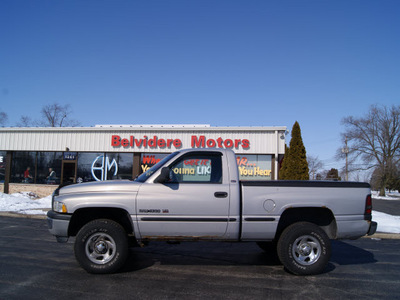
x=196 y=194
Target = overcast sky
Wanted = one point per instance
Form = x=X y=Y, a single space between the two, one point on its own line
x=224 y=63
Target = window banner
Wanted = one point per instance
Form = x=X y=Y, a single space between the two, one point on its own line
x=149 y=160
x=254 y=167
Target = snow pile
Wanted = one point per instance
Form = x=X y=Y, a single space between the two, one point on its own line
x=24 y=203
x=27 y=203
x=386 y=223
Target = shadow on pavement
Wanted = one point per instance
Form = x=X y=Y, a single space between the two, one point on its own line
x=200 y=253
x=222 y=254
x=346 y=254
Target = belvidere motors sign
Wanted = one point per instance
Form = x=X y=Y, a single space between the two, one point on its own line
x=196 y=142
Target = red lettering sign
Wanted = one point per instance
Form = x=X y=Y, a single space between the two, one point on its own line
x=202 y=142
x=196 y=142
x=241 y=161
x=115 y=140
x=150 y=159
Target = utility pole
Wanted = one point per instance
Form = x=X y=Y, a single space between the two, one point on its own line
x=345 y=150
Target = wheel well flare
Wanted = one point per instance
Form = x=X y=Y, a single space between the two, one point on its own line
x=321 y=216
x=85 y=215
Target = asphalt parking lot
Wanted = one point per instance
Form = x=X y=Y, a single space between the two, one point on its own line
x=34 y=266
x=391 y=207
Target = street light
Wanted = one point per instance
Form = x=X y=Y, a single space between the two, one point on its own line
x=346 y=151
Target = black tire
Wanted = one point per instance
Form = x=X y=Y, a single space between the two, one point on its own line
x=101 y=246
x=304 y=249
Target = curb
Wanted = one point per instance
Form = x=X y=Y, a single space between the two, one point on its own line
x=17 y=215
x=378 y=235
x=383 y=236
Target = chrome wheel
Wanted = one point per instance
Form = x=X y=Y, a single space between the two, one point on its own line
x=100 y=248
x=306 y=250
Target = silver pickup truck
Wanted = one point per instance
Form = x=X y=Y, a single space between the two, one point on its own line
x=194 y=195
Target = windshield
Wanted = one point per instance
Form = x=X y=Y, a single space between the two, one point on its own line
x=144 y=176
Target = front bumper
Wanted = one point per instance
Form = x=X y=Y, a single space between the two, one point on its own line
x=58 y=225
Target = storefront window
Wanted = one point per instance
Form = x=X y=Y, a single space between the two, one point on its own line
x=23 y=167
x=124 y=163
x=85 y=162
x=254 y=167
x=49 y=167
x=147 y=160
x=101 y=166
x=2 y=165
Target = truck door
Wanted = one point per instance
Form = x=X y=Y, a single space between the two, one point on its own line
x=194 y=202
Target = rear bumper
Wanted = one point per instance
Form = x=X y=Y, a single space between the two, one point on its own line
x=372 y=228
x=58 y=225
x=351 y=227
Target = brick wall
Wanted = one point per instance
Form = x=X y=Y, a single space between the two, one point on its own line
x=42 y=190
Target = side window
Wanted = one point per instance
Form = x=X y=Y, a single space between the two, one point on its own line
x=201 y=168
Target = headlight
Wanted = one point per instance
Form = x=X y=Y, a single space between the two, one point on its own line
x=59 y=206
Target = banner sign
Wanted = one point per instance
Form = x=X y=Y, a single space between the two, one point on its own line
x=195 y=142
x=254 y=167
x=149 y=160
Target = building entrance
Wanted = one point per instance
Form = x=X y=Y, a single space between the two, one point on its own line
x=68 y=172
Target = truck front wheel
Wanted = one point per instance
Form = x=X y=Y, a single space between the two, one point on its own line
x=101 y=246
x=304 y=249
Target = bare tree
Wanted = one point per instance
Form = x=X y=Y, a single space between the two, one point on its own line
x=375 y=140
x=3 y=118
x=56 y=115
x=314 y=166
x=25 y=121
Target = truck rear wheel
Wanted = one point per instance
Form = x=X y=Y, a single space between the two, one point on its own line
x=304 y=249
x=101 y=246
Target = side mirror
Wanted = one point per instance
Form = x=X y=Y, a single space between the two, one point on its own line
x=164 y=175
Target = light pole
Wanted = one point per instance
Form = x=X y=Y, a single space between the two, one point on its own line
x=345 y=150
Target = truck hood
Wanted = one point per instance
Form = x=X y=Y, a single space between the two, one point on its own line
x=101 y=186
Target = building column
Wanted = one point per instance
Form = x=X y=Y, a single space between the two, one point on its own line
x=136 y=165
x=7 y=177
x=276 y=162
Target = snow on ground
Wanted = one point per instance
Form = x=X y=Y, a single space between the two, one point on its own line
x=386 y=223
x=389 y=196
x=24 y=203
x=27 y=203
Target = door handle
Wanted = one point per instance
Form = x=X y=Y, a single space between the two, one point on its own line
x=221 y=194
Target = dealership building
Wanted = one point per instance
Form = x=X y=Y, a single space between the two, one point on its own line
x=53 y=156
